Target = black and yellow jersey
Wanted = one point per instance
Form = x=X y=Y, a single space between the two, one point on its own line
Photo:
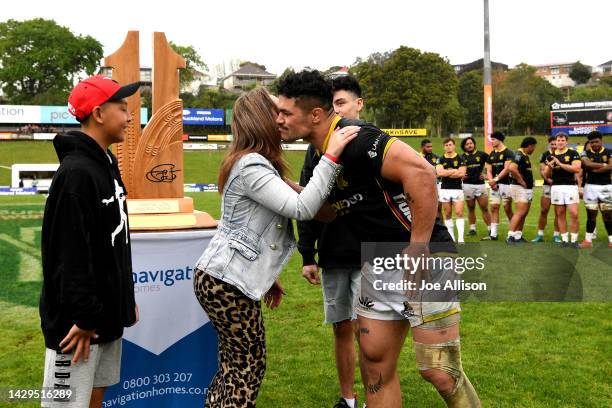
x=376 y=209
x=454 y=161
x=560 y=176
x=474 y=163
x=602 y=156
x=497 y=159
x=545 y=156
x=431 y=158
x=524 y=168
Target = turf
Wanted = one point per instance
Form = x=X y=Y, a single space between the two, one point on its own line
x=527 y=354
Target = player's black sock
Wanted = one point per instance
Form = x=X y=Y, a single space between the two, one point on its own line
x=608 y=225
x=590 y=226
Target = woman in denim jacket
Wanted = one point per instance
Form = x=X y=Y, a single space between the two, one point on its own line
x=253 y=242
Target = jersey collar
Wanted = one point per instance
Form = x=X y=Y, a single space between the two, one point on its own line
x=330 y=132
x=561 y=152
x=451 y=157
x=600 y=150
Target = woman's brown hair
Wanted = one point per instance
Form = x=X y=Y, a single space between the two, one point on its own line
x=254 y=130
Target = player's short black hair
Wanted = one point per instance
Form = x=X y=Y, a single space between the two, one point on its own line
x=594 y=135
x=528 y=141
x=561 y=134
x=448 y=139
x=346 y=83
x=309 y=88
x=498 y=135
x=551 y=138
x=424 y=142
x=464 y=141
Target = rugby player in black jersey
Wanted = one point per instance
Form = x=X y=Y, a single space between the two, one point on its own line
x=597 y=161
x=498 y=177
x=432 y=158
x=521 y=187
x=339 y=257
x=427 y=152
x=451 y=169
x=474 y=187
x=562 y=167
x=545 y=198
x=387 y=193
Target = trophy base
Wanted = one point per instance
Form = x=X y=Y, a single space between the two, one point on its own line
x=166 y=214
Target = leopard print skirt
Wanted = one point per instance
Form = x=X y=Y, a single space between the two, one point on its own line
x=242 y=344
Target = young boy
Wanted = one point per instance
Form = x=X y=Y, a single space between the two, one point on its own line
x=88 y=293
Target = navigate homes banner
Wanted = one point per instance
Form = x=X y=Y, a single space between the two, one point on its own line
x=170 y=356
x=48 y=115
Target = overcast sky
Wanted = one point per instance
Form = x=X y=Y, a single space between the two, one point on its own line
x=323 y=33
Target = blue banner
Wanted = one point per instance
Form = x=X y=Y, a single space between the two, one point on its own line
x=581 y=130
x=59 y=115
x=199 y=116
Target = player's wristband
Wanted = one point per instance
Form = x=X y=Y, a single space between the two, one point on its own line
x=332 y=158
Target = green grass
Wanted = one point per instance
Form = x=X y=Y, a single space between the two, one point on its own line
x=533 y=354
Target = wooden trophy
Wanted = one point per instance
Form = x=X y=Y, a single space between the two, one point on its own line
x=151 y=161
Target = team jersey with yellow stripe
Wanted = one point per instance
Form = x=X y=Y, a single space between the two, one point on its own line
x=376 y=208
x=561 y=176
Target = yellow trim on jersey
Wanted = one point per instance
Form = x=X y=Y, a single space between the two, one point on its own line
x=388 y=145
x=499 y=151
x=451 y=157
x=330 y=132
x=600 y=151
x=563 y=152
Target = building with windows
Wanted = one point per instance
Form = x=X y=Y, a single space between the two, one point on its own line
x=247 y=76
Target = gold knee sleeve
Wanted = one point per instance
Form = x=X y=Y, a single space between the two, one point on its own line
x=446 y=357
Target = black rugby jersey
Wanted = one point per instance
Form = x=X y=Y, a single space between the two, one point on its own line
x=376 y=209
x=562 y=177
x=431 y=158
x=453 y=162
x=497 y=160
x=524 y=167
x=474 y=163
x=602 y=156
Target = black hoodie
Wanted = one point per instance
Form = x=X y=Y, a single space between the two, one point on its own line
x=86 y=256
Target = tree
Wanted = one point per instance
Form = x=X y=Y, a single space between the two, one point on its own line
x=471 y=98
x=522 y=101
x=273 y=87
x=595 y=93
x=262 y=67
x=193 y=62
x=580 y=73
x=40 y=60
x=405 y=87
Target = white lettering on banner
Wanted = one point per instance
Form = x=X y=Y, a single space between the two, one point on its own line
x=163 y=265
x=20 y=114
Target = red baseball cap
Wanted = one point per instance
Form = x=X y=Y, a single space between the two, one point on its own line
x=95 y=91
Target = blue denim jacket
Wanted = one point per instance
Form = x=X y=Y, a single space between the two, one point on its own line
x=255 y=237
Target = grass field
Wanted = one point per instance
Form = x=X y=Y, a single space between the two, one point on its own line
x=536 y=354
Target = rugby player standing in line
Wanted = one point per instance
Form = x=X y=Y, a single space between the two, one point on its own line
x=521 y=188
x=474 y=188
x=498 y=177
x=545 y=198
x=562 y=167
x=451 y=169
x=597 y=161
